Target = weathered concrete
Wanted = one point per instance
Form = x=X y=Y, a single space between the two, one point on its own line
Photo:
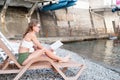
x=68 y=22
x=71 y=39
x=104 y=17
x=17 y=3
x=60 y=23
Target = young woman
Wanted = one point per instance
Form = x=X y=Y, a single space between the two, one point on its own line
x=30 y=40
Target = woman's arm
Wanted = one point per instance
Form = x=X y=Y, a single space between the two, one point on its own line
x=36 y=42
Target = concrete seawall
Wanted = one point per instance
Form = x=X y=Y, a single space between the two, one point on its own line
x=71 y=39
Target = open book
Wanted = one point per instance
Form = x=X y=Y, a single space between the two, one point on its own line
x=56 y=45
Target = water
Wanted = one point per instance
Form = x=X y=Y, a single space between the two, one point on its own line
x=103 y=52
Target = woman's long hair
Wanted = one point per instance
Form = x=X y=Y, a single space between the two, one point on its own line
x=32 y=23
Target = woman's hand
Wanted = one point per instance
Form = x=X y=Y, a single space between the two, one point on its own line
x=35 y=47
x=51 y=50
x=43 y=49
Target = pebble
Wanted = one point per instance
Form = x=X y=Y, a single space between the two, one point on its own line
x=93 y=71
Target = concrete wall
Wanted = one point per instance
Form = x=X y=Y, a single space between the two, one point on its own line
x=96 y=3
x=65 y=22
x=73 y=21
x=105 y=17
x=61 y=23
x=15 y=21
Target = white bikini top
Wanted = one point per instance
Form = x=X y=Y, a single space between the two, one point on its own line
x=27 y=44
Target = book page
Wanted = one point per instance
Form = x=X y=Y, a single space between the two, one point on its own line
x=56 y=45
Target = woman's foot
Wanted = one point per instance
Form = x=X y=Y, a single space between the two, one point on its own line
x=65 y=59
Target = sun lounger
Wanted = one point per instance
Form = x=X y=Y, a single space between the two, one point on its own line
x=8 y=67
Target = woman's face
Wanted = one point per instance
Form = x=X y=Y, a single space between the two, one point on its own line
x=36 y=28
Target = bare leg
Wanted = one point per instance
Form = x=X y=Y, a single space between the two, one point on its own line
x=65 y=59
x=35 y=54
x=49 y=53
x=55 y=57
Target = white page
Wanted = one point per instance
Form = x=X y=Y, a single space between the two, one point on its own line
x=56 y=45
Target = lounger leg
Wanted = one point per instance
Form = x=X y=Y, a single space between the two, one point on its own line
x=22 y=71
x=80 y=71
x=54 y=70
x=26 y=67
x=64 y=69
x=68 y=78
x=59 y=71
x=5 y=64
x=54 y=66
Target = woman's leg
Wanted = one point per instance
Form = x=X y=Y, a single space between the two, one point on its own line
x=55 y=57
x=49 y=53
x=35 y=54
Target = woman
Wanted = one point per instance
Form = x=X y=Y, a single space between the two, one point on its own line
x=29 y=41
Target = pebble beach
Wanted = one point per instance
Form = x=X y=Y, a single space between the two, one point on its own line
x=92 y=71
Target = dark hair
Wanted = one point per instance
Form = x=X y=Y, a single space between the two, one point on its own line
x=31 y=24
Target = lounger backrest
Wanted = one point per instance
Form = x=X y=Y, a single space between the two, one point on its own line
x=6 y=42
x=10 y=55
x=7 y=50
